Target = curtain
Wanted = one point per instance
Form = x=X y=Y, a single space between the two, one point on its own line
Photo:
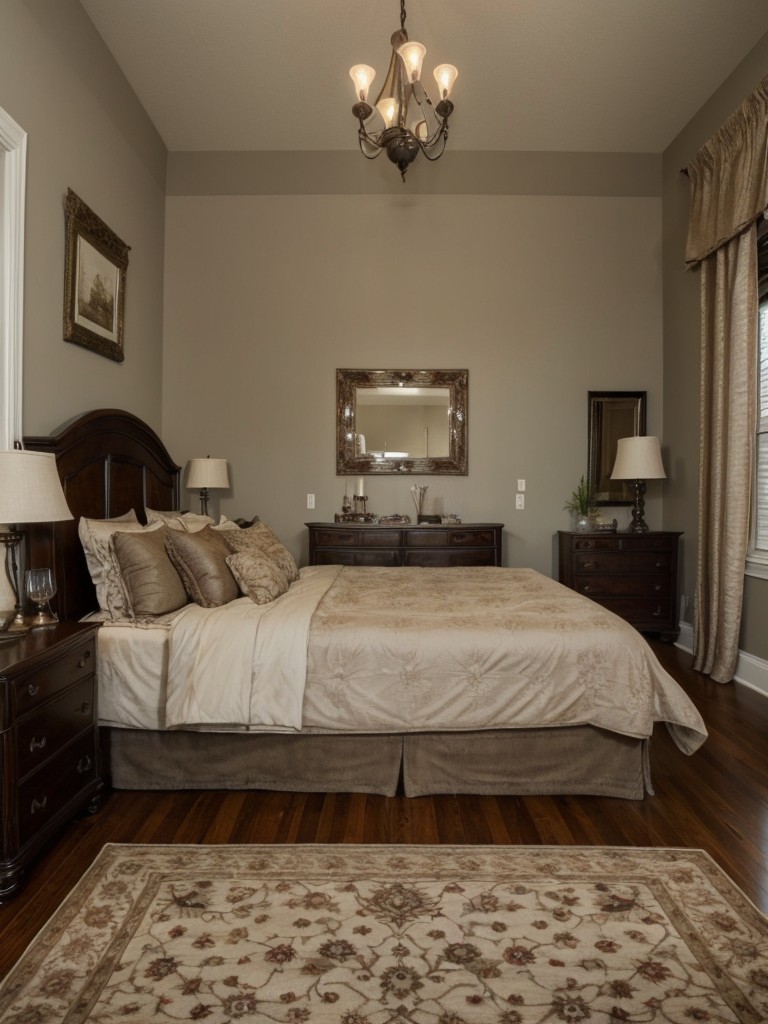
x=729 y=192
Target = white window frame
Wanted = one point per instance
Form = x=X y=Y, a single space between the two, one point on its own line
x=757 y=558
x=13 y=176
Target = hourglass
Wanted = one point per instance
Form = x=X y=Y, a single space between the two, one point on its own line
x=41 y=587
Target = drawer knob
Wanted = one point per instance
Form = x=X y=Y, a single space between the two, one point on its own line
x=33 y=689
x=659 y=564
x=37 y=744
x=38 y=805
x=589 y=565
x=84 y=660
x=84 y=764
x=657 y=588
x=657 y=613
x=85 y=707
x=586 y=588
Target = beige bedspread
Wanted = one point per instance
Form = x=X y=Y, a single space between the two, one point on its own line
x=409 y=650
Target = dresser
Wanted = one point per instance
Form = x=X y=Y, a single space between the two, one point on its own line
x=435 y=546
x=49 y=750
x=631 y=574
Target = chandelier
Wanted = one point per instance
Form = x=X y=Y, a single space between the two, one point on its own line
x=404 y=122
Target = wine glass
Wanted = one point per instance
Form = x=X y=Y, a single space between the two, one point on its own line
x=41 y=587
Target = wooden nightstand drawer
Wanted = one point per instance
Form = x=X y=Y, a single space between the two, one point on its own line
x=46 y=792
x=622 y=561
x=647 y=614
x=657 y=587
x=40 y=736
x=37 y=686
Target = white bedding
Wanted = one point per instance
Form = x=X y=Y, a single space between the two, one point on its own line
x=397 y=650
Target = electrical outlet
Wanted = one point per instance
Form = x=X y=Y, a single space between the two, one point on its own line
x=310 y=501
x=520 y=501
x=521 y=485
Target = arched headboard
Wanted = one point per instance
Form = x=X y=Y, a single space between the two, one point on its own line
x=109 y=462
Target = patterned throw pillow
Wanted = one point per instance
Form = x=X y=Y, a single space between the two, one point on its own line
x=96 y=538
x=260 y=540
x=259 y=577
x=152 y=583
x=201 y=561
x=189 y=521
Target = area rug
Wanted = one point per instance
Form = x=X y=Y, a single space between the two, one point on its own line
x=396 y=935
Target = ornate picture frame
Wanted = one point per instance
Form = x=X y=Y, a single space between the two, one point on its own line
x=95 y=266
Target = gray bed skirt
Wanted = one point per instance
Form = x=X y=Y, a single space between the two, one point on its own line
x=577 y=760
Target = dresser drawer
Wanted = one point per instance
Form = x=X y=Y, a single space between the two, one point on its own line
x=659 y=587
x=434 y=537
x=366 y=537
x=622 y=562
x=357 y=556
x=38 y=685
x=57 y=783
x=40 y=736
x=643 y=613
x=446 y=558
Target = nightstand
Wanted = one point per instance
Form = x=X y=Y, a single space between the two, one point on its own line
x=49 y=749
x=631 y=574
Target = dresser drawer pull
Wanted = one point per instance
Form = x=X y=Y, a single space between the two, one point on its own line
x=33 y=689
x=84 y=764
x=657 y=613
x=660 y=564
x=586 y=588
x=37 y=744
x=84 y=660
x=589 y=565
x=38 y=805
x=85 y=708
x=657 y=588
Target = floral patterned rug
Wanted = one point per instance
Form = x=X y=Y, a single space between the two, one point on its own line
x=396 y=935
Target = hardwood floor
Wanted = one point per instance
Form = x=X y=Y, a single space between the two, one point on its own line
x=716 y=800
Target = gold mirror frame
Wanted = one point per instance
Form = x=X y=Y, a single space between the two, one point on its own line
x=612 y=415
x=349 y=462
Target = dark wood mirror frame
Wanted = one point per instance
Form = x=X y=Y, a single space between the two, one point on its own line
x=349 y=462
x=612 y=415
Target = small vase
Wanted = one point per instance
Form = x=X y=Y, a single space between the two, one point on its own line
x=583 y=523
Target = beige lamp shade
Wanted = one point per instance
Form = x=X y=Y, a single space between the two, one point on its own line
x=638 y=458
x=208 y=473
x=30 y=489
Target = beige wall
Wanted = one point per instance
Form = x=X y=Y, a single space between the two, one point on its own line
x=542 y=298
x=681 y=344
x=86 y=131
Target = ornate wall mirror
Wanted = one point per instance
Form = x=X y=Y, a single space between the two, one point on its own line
x=612 y=415
x=401 y=421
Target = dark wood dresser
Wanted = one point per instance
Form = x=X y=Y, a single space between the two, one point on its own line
x=49 y=749
x=631 y=574
x=435 y=546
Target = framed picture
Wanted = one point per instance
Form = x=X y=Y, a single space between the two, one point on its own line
x=95 y=265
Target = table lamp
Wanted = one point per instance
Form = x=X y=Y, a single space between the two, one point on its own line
x=30 y=492
x=207 y=474
x=638 y=459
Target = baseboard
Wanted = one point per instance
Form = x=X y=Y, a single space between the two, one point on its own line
x=750 y=670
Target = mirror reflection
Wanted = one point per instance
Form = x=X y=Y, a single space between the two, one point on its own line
x=401 y=421
x=612 y=415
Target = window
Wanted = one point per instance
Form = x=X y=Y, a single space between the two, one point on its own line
x=757 y=557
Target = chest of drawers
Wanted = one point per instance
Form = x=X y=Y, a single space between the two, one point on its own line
x=432 y=546
x=631 y=574
x=49 y=750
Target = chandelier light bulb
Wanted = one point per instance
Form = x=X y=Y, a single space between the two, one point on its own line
x=445 y=76
x=362 y=75
x=421 y=131
x=412 y=55
x=387 y=107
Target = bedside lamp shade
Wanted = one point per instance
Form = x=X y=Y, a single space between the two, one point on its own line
x=638 y=459
x=30 y=492
x=207 y=474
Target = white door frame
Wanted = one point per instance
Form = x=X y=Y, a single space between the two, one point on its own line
x=13 y=168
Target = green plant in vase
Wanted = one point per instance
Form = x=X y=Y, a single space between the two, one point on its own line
x=581 y=505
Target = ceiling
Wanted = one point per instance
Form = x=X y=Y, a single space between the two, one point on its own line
x=538 y=75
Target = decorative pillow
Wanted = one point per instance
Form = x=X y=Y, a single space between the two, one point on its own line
x=259 y=577
x=259 y=539
x=151 y=582
x=95 y=536
x=201 y=560
x=189 y=521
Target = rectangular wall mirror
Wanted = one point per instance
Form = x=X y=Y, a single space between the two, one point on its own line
x=401 y=421
x=612 y=415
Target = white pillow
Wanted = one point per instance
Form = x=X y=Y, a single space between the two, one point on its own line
x=96 y=538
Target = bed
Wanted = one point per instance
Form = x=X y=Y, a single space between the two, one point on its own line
x=477 y=680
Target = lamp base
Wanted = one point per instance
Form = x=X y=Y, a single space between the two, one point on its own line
x=638 y=524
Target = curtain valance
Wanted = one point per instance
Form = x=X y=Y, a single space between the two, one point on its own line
x=729 y=178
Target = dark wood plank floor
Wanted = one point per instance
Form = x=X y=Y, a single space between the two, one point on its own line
x=716 y=800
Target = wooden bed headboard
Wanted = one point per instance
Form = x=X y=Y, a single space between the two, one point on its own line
x=109 y=462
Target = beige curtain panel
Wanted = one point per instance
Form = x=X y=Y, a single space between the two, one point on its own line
x=729 y=192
